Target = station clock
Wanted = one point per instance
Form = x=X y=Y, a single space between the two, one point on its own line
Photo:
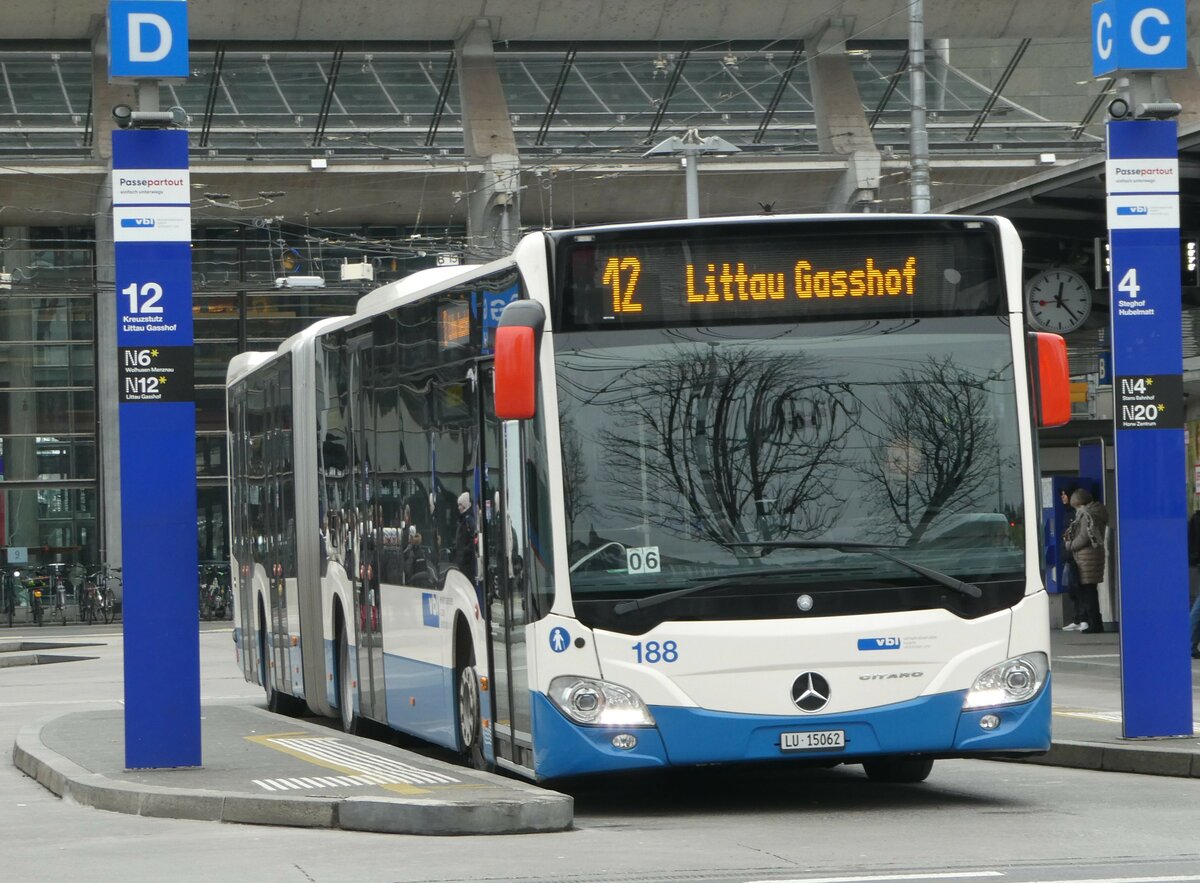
x=1058 y=300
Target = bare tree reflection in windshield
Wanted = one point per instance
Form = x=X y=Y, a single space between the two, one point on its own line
x=934 y=447
x=731 y=445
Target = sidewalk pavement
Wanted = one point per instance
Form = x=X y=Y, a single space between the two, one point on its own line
x=267 y=769
x=1087 y=713
x=262 y=768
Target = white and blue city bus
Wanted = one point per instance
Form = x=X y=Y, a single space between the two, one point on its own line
x=662 y=494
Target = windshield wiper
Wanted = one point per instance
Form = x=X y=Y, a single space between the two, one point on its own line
x=654 y=600
x=942 y=579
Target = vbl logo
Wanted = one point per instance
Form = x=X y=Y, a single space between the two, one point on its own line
x=1133 y=210
x=878 y=643
x=137 y=222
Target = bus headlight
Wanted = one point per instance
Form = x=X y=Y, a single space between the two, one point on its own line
x=1015 y=680
x=599 y=703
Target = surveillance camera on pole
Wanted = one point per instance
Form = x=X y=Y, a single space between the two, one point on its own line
x=1158 y=110
x=128 y=118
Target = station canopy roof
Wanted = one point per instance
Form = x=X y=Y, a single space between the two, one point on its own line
x=396 y=100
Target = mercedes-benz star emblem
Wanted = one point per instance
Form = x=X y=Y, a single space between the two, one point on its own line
x=810 y=691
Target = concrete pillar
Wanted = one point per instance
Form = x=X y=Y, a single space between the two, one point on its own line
x=108 y=436
x=842 y=127
x=494 y=204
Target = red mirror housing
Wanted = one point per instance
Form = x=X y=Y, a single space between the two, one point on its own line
x=516 y=380
x=1052 y=379
x=516 y=359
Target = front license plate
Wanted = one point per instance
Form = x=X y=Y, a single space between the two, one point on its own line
x=816 y=740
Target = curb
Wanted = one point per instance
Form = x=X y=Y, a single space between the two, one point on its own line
x=1144 y=761
x=537 y=811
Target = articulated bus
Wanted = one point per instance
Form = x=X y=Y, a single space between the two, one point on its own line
x=662 y=494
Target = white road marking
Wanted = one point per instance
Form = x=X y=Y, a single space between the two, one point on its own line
x=371 y=769
x=1188 y=878
x=392 y=771
x=947 y=875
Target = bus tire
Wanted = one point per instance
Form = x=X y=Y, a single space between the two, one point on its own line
x=345 y=686
x=467 y=701
x=470 y=729
x=901 y=770
x=275 y=700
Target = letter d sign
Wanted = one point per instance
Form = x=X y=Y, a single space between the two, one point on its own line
x=147 y=39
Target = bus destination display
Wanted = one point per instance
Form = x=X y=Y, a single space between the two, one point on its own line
x=624 y=281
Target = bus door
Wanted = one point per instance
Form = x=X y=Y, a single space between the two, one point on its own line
x=504 y=532
x=246 y=501
x=372 y=702
x=279 y=673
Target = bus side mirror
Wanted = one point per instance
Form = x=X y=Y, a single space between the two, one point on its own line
x=1052 y=379
x=516 y=380
x=516 y=359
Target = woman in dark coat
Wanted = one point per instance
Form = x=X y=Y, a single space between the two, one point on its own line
x=1085 y=538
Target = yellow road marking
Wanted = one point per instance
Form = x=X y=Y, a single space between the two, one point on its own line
x=398 y=788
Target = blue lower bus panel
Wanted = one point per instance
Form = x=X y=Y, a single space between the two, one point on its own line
x=687 y=736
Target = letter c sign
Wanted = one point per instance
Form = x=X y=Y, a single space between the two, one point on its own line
x=147 y=39
x=1133 y=35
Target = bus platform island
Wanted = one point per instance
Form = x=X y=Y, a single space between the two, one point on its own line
x=268 y=769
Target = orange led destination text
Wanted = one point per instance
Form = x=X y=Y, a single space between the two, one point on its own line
x=731 y=282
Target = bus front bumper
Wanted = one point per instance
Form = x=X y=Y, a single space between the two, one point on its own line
x=935 y=725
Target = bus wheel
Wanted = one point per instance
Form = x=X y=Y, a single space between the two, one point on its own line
x=904 y=770
x=275 y=699
x=345 y=690
x=469 y=724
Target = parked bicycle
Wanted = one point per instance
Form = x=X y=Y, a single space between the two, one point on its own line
x=11 y=580
x=60 y=597
x=105 y=580
x=35 y=602
x=88 y=608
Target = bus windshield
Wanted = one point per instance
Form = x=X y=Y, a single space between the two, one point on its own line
x=741 y=457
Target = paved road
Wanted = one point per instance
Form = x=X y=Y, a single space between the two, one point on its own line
x=974 y=820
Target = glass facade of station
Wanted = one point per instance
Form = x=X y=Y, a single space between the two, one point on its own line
x=49 y=457
x=397 y=100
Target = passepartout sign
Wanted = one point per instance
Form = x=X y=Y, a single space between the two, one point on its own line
x=151 y=187
x=1142 y=175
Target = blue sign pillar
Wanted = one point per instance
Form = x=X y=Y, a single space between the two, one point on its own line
x=1132 y=37
x=1147 y=341
x=152 y=233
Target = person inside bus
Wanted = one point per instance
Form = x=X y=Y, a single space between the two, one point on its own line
x=416 y=560
x=464 y=537
x=1085 y=538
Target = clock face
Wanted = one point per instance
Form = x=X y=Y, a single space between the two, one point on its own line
x=1059 y=300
